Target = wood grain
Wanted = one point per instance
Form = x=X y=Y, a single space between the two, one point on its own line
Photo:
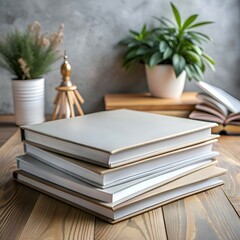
x=206 y=215
x=145 y=102
x=51 y=219
x=15 y=211
x=16 y=201
x=230 y=159
x=8 y=152
x=146 y=226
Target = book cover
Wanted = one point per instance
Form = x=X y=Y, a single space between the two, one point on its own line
x=106 y=177
x=114 y=195
x=193 y=183
x=117 y=137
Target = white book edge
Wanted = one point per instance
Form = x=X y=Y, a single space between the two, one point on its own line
x=121 y=157
x=113 y=195
x=147 y=204
x=122 y=174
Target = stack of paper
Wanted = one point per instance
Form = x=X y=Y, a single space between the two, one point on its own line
x=119 y=163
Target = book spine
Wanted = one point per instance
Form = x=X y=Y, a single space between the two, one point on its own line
x=22 y=134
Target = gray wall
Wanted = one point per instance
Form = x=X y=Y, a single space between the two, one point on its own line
x=93 y=29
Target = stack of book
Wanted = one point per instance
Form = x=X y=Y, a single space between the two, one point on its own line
x=216 y=105
x=120 y=163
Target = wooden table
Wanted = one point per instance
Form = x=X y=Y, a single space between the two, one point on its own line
x=214 y=214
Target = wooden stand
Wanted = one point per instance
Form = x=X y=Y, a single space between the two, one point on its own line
x=68 y=98
x=65 y=100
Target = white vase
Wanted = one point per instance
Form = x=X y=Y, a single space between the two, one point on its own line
x=29 y=101
x=163 y=83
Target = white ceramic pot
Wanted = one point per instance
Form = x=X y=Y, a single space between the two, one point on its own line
x=29 y=101
x=162 y=81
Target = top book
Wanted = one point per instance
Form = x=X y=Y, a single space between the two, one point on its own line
x=117 y=137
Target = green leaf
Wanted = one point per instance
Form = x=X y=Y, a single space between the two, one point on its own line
x=196 y=49
x=134 y=43
x=168 y=53
x=176 y=15
x=163 y=46
x=131 y=53
x=208 y=58
x=164 y=22
x=209 y=61
x=149 y=43
x=189 y=72
x=193 y=57
x=194 y=73
x=179 y=64
x=144 y=29
x=199 y=34
x=134 y=33
x=155 y=59
x=189 y=21
x=198 y=70
x=201 y=24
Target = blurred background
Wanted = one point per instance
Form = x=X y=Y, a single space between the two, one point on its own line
x=92 y=31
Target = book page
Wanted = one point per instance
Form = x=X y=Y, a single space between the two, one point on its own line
x=206 y=108
x=233 y=119
x=200 y=115
x=213 y=103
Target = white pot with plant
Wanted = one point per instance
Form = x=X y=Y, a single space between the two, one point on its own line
x=171 y=52
x=29 y=55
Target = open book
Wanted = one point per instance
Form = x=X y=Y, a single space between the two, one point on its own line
x=218 y=106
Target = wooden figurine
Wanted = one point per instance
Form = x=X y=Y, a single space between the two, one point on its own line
x=68 y=98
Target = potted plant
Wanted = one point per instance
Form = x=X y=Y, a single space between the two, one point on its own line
x=171 y=49
x=29 y=55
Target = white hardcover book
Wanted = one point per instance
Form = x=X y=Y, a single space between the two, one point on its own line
x=193 y=183
x=105 y=177
x=114 y=195
x=117 y=137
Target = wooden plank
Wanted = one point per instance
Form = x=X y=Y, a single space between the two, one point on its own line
x=8 y=152
x=149 y=225
x=16 y=201
x=15 y=210
x=229 y=158
x=144 y=102
x=52 y=219
x=207 y=215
